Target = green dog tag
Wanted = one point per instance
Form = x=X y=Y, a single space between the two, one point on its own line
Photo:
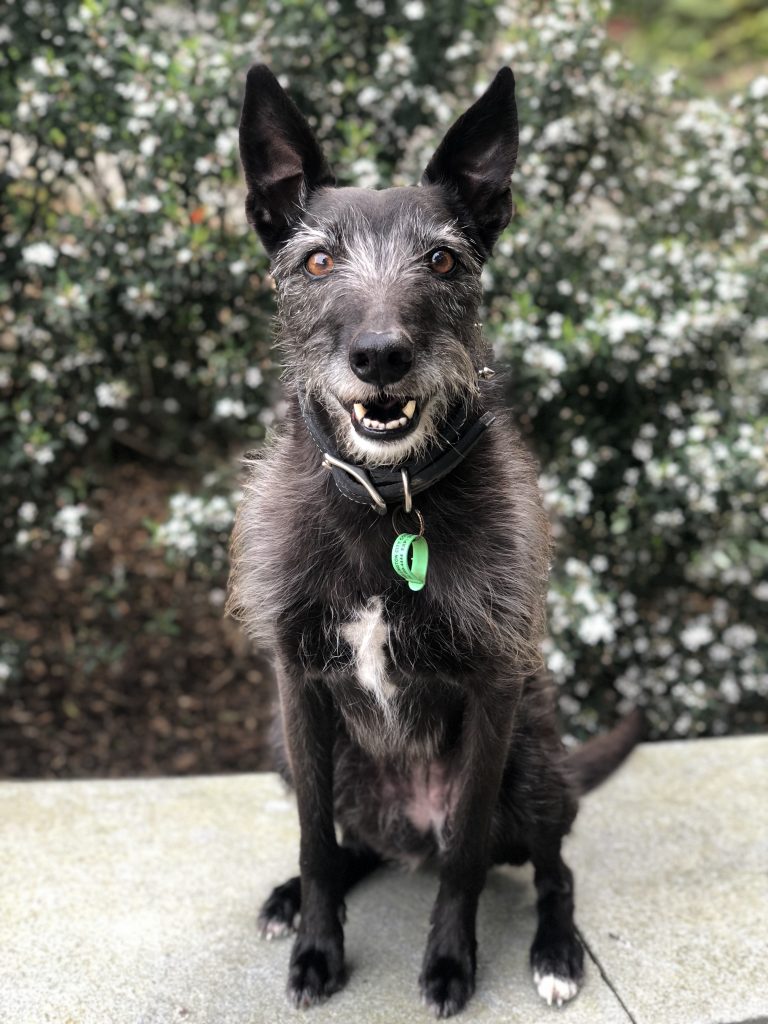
x=413 y=570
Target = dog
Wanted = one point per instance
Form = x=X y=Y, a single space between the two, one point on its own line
x=415 y=716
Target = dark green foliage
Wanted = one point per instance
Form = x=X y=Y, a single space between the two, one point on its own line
x=627 y=302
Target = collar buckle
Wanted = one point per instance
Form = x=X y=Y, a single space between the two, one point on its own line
x=377 y=502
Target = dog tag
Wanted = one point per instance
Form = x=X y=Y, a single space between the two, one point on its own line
x=413 y=569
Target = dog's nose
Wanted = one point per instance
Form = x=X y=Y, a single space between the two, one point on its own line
x=381 y=357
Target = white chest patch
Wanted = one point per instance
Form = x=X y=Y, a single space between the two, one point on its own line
x=368 y=636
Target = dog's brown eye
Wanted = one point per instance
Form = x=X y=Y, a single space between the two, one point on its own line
x=441 y=261
x=319 y=264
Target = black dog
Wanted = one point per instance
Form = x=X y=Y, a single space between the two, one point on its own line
x=414 y=716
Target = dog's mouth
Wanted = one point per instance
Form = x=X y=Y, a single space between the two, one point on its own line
x=385 y=418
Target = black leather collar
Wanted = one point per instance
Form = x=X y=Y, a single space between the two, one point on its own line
x=384 y=486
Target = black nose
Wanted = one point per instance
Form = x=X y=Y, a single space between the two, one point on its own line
x=381 y=357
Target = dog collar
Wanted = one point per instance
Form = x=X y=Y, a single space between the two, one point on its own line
x=395 y=485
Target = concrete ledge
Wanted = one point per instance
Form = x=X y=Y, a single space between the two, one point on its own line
x=134 y=902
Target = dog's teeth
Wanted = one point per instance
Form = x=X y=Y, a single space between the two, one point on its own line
x=409 y=408
x=394 y=424
x=367 y=423
x=360 y=411
x=402 y=421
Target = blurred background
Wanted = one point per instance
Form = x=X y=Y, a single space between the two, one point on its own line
x=627 y=306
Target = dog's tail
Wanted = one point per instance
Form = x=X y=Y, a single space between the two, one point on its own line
x=592 y=763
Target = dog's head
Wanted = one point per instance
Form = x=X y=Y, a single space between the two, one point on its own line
x=379 y=290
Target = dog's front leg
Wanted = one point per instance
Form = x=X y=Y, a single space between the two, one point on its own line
x=448 y=972
x=317 y=958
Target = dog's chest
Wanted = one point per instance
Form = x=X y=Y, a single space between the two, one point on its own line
x=392 y=702
x=367 y=634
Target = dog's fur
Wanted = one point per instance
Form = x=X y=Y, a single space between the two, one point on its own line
x=418 y=723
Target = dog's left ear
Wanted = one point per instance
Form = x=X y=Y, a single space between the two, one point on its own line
x=477 y=157
x=281 y=157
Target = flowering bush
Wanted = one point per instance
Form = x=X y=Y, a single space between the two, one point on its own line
x=136 y=304
x=631 y=309
x=198 y=526
x=628 y=304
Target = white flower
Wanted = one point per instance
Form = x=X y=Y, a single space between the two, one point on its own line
x=226 y=142
x=149 y=144
x=44 y=67
x=68 y=520
x=253 y=377
x=238 y=267
x=365 y=173
x=596 y=628
x=665 y=82
x=719 y=653
x=621 y=323
x=112 y=394
x=39 y=372
x=683 y=723
x=40 y=254
x=730 y=690
x=44 y=455
x=148 y=204
x=739 y=636
x=546 y=358
x=28 y=512
x=696 y=634
x=414 y=10
x=642 y=450
x=557 y=662
x=230 y=407
x=370 y=94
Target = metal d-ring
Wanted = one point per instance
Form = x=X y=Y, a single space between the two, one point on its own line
x=418 y=515
x=407 y=499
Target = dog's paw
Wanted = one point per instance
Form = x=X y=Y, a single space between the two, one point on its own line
x=316 y=971
x=281 y=911
x=446 y=984
x=558 y=968
x=554 y=989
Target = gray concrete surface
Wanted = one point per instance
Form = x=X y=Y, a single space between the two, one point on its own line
x=134 y=902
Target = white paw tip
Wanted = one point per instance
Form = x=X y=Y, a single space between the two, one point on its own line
x=275 y=929
x=554 y=989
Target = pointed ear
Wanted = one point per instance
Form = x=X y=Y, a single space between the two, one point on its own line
x=281 y=158
x=477 y=156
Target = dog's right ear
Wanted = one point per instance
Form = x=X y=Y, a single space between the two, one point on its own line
x=281 y=158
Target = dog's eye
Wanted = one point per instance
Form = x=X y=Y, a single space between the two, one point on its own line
x=318 y=264
x=441 y=261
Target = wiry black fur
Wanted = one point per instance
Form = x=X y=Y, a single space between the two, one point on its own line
x=445 y=712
